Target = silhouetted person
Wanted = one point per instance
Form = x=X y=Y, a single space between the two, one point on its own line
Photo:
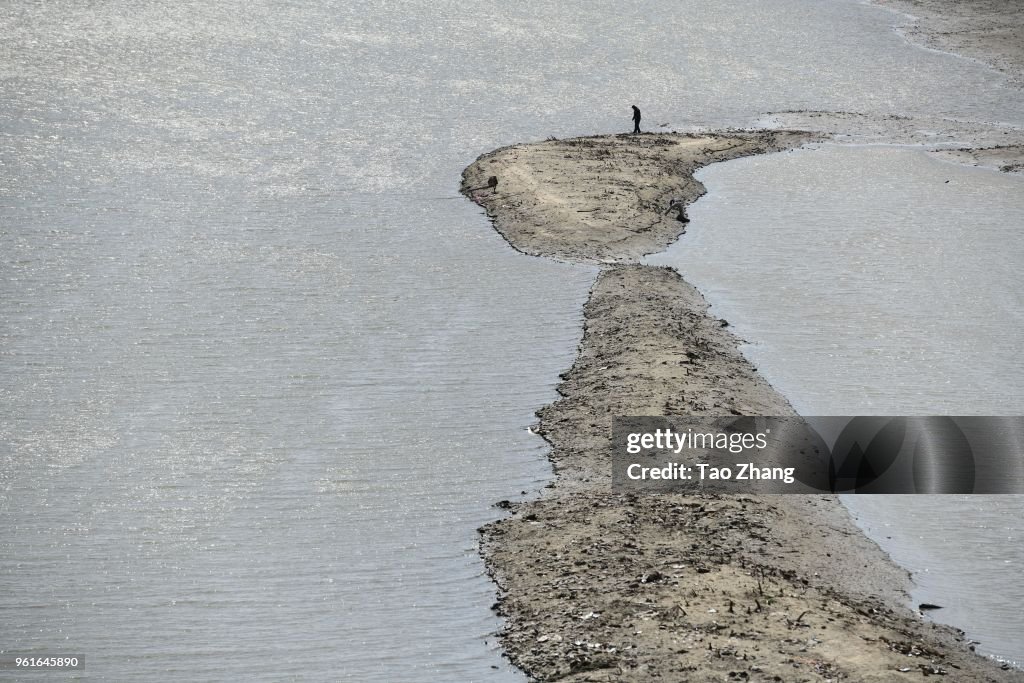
x=636 y=119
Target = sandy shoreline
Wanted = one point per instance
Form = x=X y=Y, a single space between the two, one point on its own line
x=598 y=212
x=990 y=31
x=599 y=586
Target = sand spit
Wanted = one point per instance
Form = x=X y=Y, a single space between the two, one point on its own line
x=599 y=586
x=612 y=207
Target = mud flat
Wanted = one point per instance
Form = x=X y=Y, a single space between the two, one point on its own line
x=1006 y=158
x=988 y=31
x=991 y=31
x=600 y=586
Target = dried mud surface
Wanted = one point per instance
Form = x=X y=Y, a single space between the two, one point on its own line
x=611 y=206
x=596 y=585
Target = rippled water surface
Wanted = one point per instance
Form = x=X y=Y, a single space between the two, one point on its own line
x=879 y=281
x=263 y=374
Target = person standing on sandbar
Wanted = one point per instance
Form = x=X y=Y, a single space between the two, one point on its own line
x=636 y=119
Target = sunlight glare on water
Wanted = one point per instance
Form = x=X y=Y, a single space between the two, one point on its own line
x=264 y=373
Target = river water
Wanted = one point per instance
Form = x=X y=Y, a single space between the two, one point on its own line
x=263 y=373
x=877 y=280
